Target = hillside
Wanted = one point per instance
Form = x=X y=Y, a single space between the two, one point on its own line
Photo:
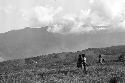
x=27 y=43
x=31 y=42
x=58 y=62
x=113 y=50
x=109 y=53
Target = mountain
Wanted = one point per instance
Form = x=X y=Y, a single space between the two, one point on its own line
x=31 y=42
x=27 y=42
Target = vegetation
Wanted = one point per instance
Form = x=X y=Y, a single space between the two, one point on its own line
x=61 y=68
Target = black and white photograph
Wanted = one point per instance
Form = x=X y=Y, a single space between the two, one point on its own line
x=62 y=41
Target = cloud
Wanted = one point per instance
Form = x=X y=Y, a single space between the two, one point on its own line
x=65 y=24
x=99 y=16
x=41 y=15
x=96 y=18
x=108 y=12
x=85 y=22
x=102 y=15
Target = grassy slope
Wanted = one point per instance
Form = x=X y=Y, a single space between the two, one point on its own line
x=61 y=68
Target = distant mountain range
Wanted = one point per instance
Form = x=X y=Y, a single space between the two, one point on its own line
x=31 y=42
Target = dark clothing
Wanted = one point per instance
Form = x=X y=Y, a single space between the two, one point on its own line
x=100 y=59
x=79 y=62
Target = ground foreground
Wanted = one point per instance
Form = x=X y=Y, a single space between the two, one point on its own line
x=61 y=67
x=106 y=73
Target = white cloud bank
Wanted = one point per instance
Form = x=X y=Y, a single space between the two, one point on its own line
x=40 y=15
x=102 y=15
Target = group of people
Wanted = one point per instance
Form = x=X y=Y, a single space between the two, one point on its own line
x=82 y=63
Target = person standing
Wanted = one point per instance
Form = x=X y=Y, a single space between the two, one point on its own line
x=79 y=62
x=100 y=59
x=84 y=64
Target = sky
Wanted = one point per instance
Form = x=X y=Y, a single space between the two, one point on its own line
x=63 y=16
x=77 y=18
x=14 y=14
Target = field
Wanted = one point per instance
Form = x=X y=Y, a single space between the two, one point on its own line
x=61 y=68
x=68 y=74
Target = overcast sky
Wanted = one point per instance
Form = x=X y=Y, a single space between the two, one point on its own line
x=73 y=15
x=85 y=21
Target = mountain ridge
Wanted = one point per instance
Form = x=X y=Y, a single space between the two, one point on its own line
x=29 y=42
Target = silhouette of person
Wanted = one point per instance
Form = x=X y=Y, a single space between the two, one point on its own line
x=79 y=62
x=84 y=62
x=100 y=58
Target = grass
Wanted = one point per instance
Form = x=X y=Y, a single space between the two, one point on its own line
x=61 y=68
x=68 y=74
